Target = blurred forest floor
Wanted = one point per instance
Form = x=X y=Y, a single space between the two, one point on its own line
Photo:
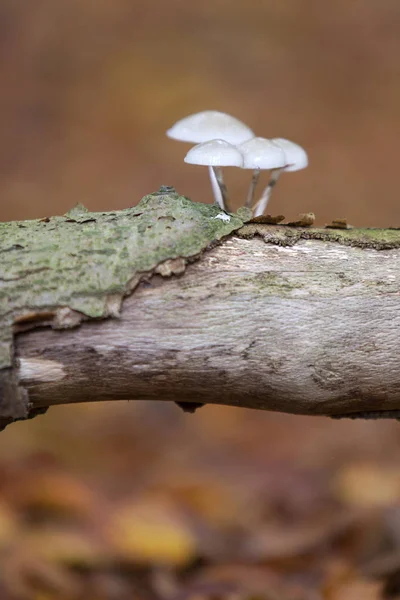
x=138 y=500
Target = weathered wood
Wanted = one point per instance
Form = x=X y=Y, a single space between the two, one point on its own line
x=308 y=323
x=59 y=271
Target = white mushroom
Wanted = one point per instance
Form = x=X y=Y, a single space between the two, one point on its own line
x=260 y=154
x=214 y=154
x=296 y=156
x=211 y=125
x=295 y=159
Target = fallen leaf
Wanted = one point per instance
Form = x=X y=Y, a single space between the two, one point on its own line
x=151 y=531
x=65 y=546
x=367 y=485
x=52 y=493
x=243 y=582
x=357 y=589
x=8 y=524
x=281 y=542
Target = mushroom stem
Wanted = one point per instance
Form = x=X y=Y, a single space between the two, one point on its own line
x=252 y=188
x=222 y=187
x=218 y=197
x=261 y=205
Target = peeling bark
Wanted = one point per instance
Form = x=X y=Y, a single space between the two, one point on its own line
x=60 y=271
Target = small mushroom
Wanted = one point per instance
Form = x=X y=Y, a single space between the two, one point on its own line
x=214 y=154
x=260 y=154
x=211 y=125
x=295 y=159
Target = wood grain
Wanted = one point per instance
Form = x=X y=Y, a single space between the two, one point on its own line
x=312 y=328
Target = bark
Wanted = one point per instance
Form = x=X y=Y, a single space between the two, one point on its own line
x=300 y=320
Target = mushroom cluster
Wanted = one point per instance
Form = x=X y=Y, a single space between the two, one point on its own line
x=224 y=141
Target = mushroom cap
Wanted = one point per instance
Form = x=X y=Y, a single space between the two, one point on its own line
x=210 y=125
x=296 y=156
x=215 y=153
x=261 y=153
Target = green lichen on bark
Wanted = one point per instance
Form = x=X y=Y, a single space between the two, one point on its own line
x=284 y=235
x=60 y=270
x=87 y=262
x=78 y=260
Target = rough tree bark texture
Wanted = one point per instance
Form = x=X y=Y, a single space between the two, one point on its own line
x=300 y=320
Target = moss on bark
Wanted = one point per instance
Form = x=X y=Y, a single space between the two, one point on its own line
x=59 y=270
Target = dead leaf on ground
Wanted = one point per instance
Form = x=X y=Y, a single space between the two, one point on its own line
x=52 y=493
x=367 y=485
x=66 y=546
x=151 y=531
x=8 y=524
x=244 y=582
x=29 y=578
x=287 y=541
x=352 y=588
x=216 y=503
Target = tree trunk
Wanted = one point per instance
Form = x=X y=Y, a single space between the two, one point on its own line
x=299 y=320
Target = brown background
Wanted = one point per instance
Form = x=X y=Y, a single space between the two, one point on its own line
x=87 y=90
x=89 y=87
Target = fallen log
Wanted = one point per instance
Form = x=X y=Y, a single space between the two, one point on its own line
x=172 y=301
